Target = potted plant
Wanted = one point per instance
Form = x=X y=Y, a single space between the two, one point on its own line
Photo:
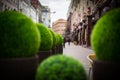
x=46 y=42
x=60 y=67
x=54 y=42
x=60 y=46
x=105 y=42
x=59 y=43
x=19 y=44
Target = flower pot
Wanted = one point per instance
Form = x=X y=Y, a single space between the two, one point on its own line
x=44 y=54
x=18 y=68
x=106 y=70
x=59 y=67
x=60 y=48
x=57 y=49
x=54 y=50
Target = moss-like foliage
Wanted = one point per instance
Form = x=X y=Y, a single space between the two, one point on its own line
x=61 y=39
x=46 y=37
x=54 y=38
x=105 y=37
x=19 y=35
x=60 y=67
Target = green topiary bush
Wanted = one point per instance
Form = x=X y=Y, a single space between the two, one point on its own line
x=46 y=37
x=58 y=38
x=105 y=37
x=60 y=67
x=56 y=43
x=61 y=39
x=19 y=35
x=54 y=37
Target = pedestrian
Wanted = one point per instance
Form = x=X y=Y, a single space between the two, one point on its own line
x=76 y=39
x=64 y=41
x=69 y=41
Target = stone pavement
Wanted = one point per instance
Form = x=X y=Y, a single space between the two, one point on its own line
x=78 y=52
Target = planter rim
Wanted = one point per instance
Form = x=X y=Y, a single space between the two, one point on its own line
x=107 y=62
x=20 y=58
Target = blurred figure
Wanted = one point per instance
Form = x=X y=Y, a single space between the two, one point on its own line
x=69 y=41
x=64 y=41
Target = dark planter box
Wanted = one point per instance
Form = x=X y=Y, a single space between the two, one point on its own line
x=54 y=51
x=44 y=54
x=105 y=70
x=18 y=68
x=57 y=49
x=60 y=49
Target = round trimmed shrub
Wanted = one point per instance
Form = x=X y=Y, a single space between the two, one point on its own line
x=54 y=37
x=105 y=37
x=61 y=39
x=46 y=37
x=60 y=67
x=19 y=35
x=58 y=38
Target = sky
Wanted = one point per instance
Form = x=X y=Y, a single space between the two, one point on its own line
x=60 y=7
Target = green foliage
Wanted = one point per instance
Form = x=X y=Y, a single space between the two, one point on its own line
x=19 y=35
x=60 y=67
x=105 y=37
x=46 y=37
x=54 y=38
x=60 y=38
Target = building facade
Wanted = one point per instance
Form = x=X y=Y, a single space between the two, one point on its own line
x=31 y=8
x=46 y=20
x=59 y=26
x=9 y=5
x=83 y=14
